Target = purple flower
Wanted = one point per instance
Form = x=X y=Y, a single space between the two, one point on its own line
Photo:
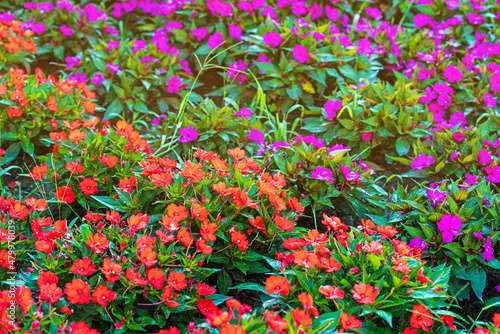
x=78 y=77
x=478 y=235
x=65 y=4
x=188 y=134
x=200 y=33
x=215 y=40
x=458 y=136
x=174 y=85
x=112 y=31
x=30 y=5
x=273 y=39
x=489 y=100
x=114 y=68
x=417 y=242
x=452 y=73
x=421 y=20
x=139 y=45
x=148 y=59
x=301 y=54
x=366 y=136
x=72 y=62
x=97 y=79
x=156 y=120
x=471 y=180
x=38 y=28
x=91 y=11
x=321 y=173
x=244 y=112
x=45 y=7
x=65 y=30
x=256 y=136
x=235 y=32
x=488 y=250
x=348 y=174
x=484 y=157
x=449 y=225
x=454 y=156
x=422 y=162
x=331 y=108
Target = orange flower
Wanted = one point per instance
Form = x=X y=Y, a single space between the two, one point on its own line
x=39 y=172
x=148 y=257
x=202 y=246
x=18 y=211
x=232 y=329
x=364 y=293
x=277 y=284
x=24 y=299
x=276 y=323
x=177 y=212
x=74 y=167
x=421 y=318
x=135 y=278
x=199 y=212
x=88 y=186
x=167 y=297
x=65 y=194
x=218 y=318
x=98 y=242
x=349 y=321
x=278 y=202
x=240 y=240
x=6 y=259
x=78 y=292
x=14 y=112
x=301 y=317
x=76 y=135
x=193 y=172
x=126 y=184
x=367 y=226
x=496 y=320
x=109 y=160
x=137 y=222
x=44 y=246
x=177 y=280
x=102 y=295
x=237 y=153
x=58 y=136
x=306 y=300
x=331 y=292
x=387 y=231
x=305 y=259
x=283 y=223
x=373 y=247
x=295 y=205
x=156 y=277
x=207 y=230
x=83 y=267
x=401 y=265
x=88 y=107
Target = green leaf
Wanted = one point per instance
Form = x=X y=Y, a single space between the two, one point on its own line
x=478 y=282
x=250 y=286
x=402 y=146
x=114 y=110
x=224 y=281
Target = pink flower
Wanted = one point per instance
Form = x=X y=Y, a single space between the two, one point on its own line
x=489 y=100
x=366 y=136
x=244 y=112
x=421 y=20
x=174 y=85
x=65 y=30
x=215 y=40
x=484 y=157
x=331 y=108
x=493 y=174
x=301 y=54
x=235 y=31
x=474 y=18
x=458 y=136
x=199 y=33
x=449 y=225
x=188 y=134
x=422 y=162
x=332 y=13
x=452 y=73
x=272 y=38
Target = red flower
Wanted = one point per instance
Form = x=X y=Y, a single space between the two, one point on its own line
x=387 y=231
x=47 y=277
x=258 y=223
x=167 y=297
x=82 y=328
x=301 y=317
x=14 y=112
x=202 y=246
x=295 y=205
x=496 y=320
x=177 y=280
x=74 y=167
x=156 y=277
x=206 y=306
x=177 y=212
x=88 y=186
x=277 y=284
x=204 y=289
x=148 y=257
x=126 y=184
x=24 y=299
x=108 y=160
x=207 y=230
x=65 y=194
x=421 y=318
x=102 y=295
x=240 y=240
x=83 y=267
x=58 y=136
x=276 y=323
x=364 y=293
x=136 y=278
x=349 y=321
x=78 y=292
x=219 y=317
x=448 y=320
x=137 y=222
x=98 y=242
x=199 y=212
x=36 y=204
x=185 y=237
x=111 y=270
x=50 y=292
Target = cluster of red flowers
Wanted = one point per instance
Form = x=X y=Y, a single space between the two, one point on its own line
x=14 y=37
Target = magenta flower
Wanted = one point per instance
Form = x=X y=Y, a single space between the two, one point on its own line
x=332 y=13
x=38 y=28
x=449 y=225
x=484 y=157
x=471 y=180
x=113 y=45
x=139 y=45
x=493 y=174
x=366 y=136
x=272 y=38
x=421 y=20
x=458 y=136
x=422 y=162
x=65 y=30
x=256 y=136
x=188 y=134
x=301 y=54
x=488 y=250
x=331 y=108
x=454 y=156
x=174 y=85
x=45 y=7
x=244 y=112
x=321 y=173
x=235 y=32
x=200 y=33
x=436 y=196
x=489 y=100
x=97 y=79
x=215 y=40
x=114 y=68
x=374 y=13
x=72 y=62
x=348 y=174
x=452 y=73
